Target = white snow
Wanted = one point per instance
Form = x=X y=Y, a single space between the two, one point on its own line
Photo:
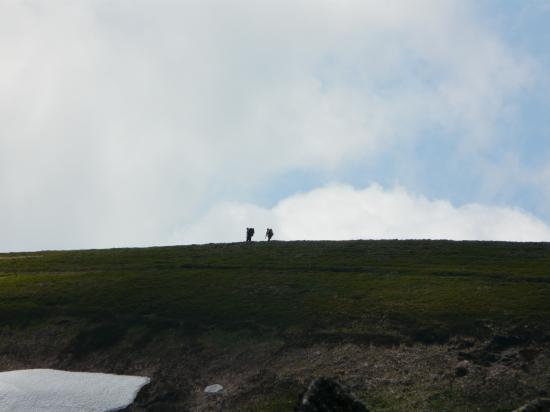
x=48 y=390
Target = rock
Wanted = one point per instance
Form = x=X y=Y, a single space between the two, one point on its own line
x=326 y=395
x=461 y=371
x=462 y=368
x=214 y=389
x=537 y=405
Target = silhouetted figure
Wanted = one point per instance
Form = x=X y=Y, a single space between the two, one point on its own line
x=249 y=234
x=269 y=234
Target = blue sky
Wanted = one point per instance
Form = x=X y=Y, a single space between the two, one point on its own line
x=435 y=166
x=149 y=123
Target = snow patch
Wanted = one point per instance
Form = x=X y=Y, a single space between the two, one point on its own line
x=48 y=390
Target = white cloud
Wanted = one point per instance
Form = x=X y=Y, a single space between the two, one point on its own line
x=340 y=212
x=120 y=121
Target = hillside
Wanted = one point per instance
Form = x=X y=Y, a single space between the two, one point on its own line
x=417 y=325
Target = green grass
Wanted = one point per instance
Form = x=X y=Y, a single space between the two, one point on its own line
x=286 y=287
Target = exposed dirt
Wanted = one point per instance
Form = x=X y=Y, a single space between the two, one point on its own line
x=500 y=373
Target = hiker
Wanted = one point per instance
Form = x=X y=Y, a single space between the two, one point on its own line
x=249 y=234
x=269 y=234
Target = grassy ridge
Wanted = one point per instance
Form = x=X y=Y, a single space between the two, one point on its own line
x=354 y=287
x=267 y=317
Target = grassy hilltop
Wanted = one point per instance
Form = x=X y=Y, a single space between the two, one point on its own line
x=391 y=319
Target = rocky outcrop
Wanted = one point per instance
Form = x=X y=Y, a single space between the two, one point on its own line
x=537 y=405
x=326 y=395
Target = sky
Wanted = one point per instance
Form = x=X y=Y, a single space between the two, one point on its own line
x=141 y=123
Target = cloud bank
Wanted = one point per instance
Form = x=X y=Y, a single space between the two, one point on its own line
x=341 y=212
x=122 y=122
